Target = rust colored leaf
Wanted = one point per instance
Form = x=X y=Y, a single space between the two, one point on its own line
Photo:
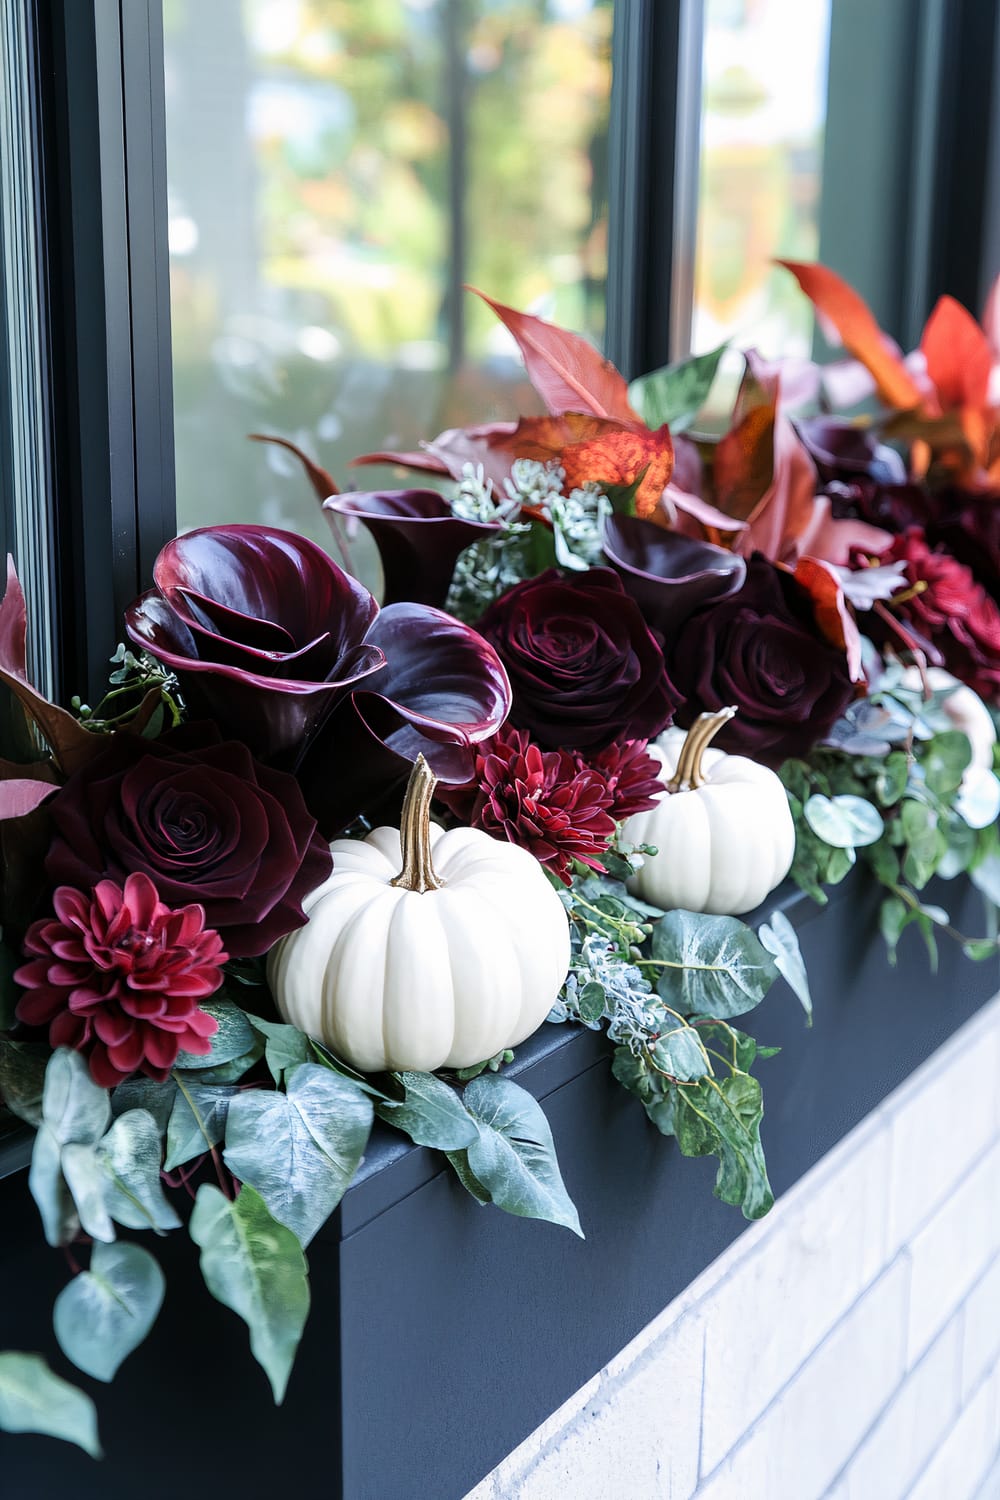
x=320 y=480
x=568 y=373
x=618 y=459
x=855 y=323
x=13 y=624
x=833 y=614
x=958 y=356
x=72 y=746
x=743 y=465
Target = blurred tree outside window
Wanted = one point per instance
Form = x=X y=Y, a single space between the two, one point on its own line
x=336 y=171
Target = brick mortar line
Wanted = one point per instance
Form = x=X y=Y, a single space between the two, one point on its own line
x=985 y=1378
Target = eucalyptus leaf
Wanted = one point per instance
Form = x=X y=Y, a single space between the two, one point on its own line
x=73 y=1106
x=85 y=1180
x=781 y=940
x=255 y=1266
x=431 y=1113
x=285 y=1047
x=981 y=949
x=978 y=800
x=233 y=1039
x=50 y=1190
x=299 y=1149
x=513 y=1156
x=106 y=1312
x=709 y=965
x=845 y=821
x=33 y=1399
x=130 y=1156
x=677 y=393
x=197 y=1121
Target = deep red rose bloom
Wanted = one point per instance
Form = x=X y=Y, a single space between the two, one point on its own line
x=543 y=801
x=204 y=820
x=583 y=665
x=761 y=650
x=117 y=976
x=630 y=775
x=951 y=609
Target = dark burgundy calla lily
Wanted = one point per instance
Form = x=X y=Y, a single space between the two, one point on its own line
x=418 y=538
x=263 y=630
x=669 y=575
x=442 y=692
x=843 y=450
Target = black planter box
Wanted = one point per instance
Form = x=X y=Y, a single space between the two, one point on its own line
x=442 y=1333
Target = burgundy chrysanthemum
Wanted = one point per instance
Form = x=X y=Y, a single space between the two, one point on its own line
x=118 y=976
x=953 y=610
x=630 y=775
x=543 y=801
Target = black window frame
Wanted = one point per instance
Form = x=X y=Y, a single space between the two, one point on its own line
x=99 y=120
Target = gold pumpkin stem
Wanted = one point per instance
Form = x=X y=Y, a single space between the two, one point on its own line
x=417 y=873
x=687 y=773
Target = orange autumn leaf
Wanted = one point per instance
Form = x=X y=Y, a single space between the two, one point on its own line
x=617 y=460
x=743 y=463
x=568 y=373
x=958 y=355
x=858 y=328
x=833 y=615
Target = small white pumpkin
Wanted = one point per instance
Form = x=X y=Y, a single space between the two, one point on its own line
x=408 y=963
x=722 y=826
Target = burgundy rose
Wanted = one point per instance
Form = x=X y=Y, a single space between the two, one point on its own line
x=583 y=665
x=630 y=774
x=947 y=605
x=761 y=650
x=118 y=976
x=204 y=821
x=541 y=800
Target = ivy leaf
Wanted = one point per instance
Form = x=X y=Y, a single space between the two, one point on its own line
x=299 y=1149
x=460 y=1163
x=129 y=1155
x=781 y=940
x=106 y=1312
x=723 y=1119
x=233 y=1039
x=33 y=1399
x=85 y=1180
x=324 y=1056
x=190 y=1134
x=845 y=821
x=431 y=1113
x=74 y=1107
x=513 y=1156
x=677 y=393
x=233 y=1070
x=145 y=1093
x=255 y=1266
x=285 y=1047
x=712 y=965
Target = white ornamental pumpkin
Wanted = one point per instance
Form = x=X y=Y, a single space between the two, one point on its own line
x=405 y=963
x=722 y=827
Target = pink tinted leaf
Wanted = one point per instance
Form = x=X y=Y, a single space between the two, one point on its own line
x=13 y=624
x=320 y=480
x=568 y=373
x=22 y=796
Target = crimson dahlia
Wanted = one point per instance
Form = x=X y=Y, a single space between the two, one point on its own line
x=118 y=976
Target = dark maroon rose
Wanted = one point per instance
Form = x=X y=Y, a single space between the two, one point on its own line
x=204 y=821
x=542 y=800
x=117 y=976
x=946 y=604
x=761 y=650
x=631 y=776
x=583 y=665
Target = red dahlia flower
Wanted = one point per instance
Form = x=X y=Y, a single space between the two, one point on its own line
x=948 y=606
x=630 y=775
x=544 y=801
x=117 y=976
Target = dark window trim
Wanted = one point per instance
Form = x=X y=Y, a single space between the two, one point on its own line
x=103 y=167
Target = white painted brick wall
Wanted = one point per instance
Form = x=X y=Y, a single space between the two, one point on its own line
x=847 y=1347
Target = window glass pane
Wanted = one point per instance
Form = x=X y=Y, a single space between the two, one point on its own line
x=336 y=171
x=763 y=114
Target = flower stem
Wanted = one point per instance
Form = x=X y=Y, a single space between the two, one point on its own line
x=687 y=773
x=417 y=873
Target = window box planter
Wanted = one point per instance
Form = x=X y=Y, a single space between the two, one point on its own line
x=442 y=1334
